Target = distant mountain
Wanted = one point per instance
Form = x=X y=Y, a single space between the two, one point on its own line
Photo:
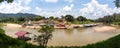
x=24 y=15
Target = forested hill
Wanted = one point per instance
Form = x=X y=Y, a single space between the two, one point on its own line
x=24 y=15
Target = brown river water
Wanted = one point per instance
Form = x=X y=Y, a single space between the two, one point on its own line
x=69 y=37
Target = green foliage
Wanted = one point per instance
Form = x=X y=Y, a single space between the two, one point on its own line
x=46 y=34
x=46 y=29
x=81 y=18
x=69 y=18
x=37 y=18
x=51 y=18
x=13 y=20
x=62 y=17
x=8 y=1
x=1 y=31
x=21 y=19
x=117 y=3
x=110 y=19
x=8 y=42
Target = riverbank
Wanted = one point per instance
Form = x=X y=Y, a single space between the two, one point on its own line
x=66 y=37
x=112 y=42
x=105 y=29
x=8 y=42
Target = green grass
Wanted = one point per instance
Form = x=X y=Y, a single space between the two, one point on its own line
x=8 y=42
x=116 y=23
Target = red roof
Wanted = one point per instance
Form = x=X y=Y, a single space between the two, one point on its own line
x=20 y=33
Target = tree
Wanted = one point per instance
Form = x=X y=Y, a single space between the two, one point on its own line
x=114 y=19
x=21 y=19
x=81 y=18
x=8 y=1
x=46 y=31
x=56 y=18
x=69 y=18
x=37 y=18
x=117 y=3
x=63 y=17
x=51 y=18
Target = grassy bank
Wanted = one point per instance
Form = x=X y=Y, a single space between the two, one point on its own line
x=8 y=42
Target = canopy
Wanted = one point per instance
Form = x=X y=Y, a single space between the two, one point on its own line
x=20 y=33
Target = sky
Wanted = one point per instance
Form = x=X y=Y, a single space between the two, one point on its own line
x=91 y=9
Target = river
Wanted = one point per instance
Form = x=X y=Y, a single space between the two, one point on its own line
x=69 y=37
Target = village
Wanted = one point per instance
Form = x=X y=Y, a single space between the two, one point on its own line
x=61 y=24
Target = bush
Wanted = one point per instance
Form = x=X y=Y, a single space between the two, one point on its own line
x=1 y=31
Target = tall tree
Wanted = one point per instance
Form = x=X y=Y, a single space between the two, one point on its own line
x=46 y=34
x=21 y=19
x=81 y=18
x=8 y=1
x=69 y=18
x=117 y=3
x=51 y=18
x=37 y=18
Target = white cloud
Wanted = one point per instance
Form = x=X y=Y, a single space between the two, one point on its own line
x=91 y=10
x=95 y=10
x=68 y=8
x=70 y=1
x=38 y=10
x=51 y=1
x=27 y=1
x=65 y=10
x=14 y=7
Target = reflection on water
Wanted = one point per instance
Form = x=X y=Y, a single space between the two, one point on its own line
x=71 y=37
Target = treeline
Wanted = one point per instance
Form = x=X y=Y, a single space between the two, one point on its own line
x=110 y=19
x=68 y=18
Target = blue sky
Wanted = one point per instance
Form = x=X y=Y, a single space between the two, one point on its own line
x=88 y=8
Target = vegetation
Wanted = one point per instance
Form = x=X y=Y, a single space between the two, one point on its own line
x=81 y=18
x=69 y=18
x=22 y=18
x=51 y=18
x=78 y=20
x=8 y=1
x=46 y=31
x=1 y=31
x=110 y=19
x=13 y=20
x=117 y=3
x=8 y=42
x=37 y=18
